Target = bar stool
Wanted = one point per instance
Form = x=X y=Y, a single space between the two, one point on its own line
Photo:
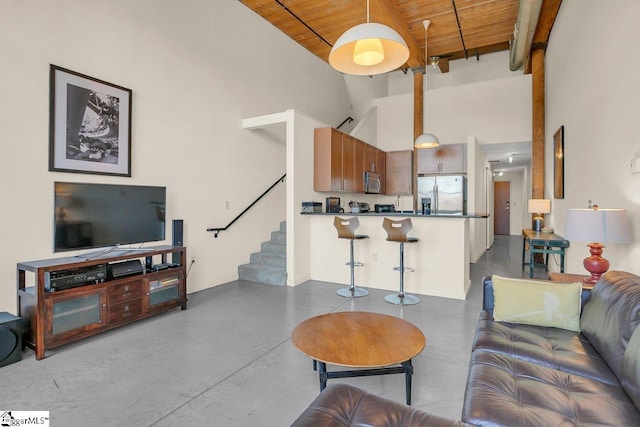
x=346 y=230
x=397 y=232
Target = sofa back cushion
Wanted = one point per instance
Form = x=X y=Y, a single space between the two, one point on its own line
x=611 y=316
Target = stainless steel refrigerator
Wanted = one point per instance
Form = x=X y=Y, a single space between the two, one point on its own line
x=442 y=194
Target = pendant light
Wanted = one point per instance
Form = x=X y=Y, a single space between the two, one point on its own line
x=368 y=49
x=426 y=140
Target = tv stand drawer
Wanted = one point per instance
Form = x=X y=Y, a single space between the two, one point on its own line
x=125 y=292
x=124 y=312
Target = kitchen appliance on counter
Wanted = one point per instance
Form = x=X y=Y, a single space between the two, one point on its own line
x=359 y=207
x=333 y=205
x=385 y=208
x=443 y=194
x=372 y=183
x=310 y=207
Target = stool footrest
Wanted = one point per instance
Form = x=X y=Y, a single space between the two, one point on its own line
x=355 y=264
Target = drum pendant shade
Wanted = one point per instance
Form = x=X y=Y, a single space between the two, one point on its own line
x=368 y=49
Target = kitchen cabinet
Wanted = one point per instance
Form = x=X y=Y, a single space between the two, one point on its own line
x=358 y=166
x=340 y=161
x=327 y=160
x=399 y=172
x=374 y=159
x=450 y=158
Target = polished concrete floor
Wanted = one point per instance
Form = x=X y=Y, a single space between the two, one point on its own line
x=228 y=360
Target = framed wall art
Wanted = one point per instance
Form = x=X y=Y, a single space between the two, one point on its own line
x=89 y=125
x=558 y=163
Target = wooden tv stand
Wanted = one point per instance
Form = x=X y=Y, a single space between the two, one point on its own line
x=55 y=318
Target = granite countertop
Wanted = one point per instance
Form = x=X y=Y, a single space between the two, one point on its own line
x=403 y=213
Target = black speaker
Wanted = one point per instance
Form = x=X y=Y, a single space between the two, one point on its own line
x=124 y=268
x=178 y=229
x=10 y=338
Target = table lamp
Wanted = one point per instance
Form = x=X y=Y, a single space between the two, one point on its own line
x=597 y=226
x=539 y=207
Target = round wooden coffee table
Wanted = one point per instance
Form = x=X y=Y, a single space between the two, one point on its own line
x=355 y=339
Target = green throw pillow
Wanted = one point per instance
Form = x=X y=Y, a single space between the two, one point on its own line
x=539 y=303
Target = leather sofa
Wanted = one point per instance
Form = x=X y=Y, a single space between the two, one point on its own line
x=525 y=375
x=345 y=405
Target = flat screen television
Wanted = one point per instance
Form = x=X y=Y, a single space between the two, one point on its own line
x=102 y=215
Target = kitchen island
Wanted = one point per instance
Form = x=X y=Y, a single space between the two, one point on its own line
x=440 y=258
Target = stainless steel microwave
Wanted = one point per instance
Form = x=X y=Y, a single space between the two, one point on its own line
x=372 y=182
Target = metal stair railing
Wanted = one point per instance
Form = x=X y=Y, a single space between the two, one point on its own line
x=347 y=120
x=219 y=229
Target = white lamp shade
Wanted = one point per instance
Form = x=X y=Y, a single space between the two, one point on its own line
x=541 y=206
x=426 y=140
x=598 y=225
x=348 y=59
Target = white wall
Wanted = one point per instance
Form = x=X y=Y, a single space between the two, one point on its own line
x=461 y=71
x=195 y=75
x=478 y=230
x=593 y=87
x=494 y=111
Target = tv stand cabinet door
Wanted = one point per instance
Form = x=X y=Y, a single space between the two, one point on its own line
x=73 y=314
x=165 y=290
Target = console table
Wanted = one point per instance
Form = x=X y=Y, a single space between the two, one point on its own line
x=570 y=278
x=542 y=243
x=55 y=317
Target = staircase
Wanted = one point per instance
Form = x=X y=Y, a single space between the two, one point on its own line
x=268 y=266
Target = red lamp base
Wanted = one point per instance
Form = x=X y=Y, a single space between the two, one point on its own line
x=595 y=264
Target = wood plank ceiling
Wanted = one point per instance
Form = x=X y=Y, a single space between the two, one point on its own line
x=458 y=29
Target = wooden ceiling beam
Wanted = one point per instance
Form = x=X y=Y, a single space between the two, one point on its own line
x=443 y=64
x=392 y=18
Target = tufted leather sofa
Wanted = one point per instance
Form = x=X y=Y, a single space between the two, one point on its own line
x=342 y=405
x=523 y=375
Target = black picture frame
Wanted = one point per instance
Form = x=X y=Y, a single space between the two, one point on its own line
x=89 y=124
x=558 y=163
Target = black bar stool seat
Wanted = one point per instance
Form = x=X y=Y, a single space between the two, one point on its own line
x=346 y=230
x=397 y=232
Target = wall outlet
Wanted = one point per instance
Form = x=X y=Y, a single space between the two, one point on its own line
x=635 y=165
x=227 y=204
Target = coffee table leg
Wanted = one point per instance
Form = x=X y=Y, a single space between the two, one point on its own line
x=408 y=372
x=322 y=373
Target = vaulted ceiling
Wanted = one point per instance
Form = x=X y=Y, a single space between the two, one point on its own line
x=458 y=28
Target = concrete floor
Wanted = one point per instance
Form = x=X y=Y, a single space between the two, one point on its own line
x=228 y=360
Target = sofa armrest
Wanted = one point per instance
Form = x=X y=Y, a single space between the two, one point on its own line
x=345 y=405
x=487 y=294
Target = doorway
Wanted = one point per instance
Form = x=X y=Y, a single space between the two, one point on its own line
x=501 y=207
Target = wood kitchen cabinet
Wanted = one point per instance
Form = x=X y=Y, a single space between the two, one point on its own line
x=374 y=159
x=450 y=158
x=340 y=161
x=358 y=166
x=399 y=172
x=327 y=160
